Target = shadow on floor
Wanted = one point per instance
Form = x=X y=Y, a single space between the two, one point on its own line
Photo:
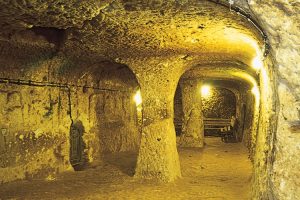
x=124 y=161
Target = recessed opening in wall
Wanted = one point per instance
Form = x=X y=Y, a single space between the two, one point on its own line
x=106 y=115
x=218 y=110
x=222 y=109
x=118 y=112
x=227 y=107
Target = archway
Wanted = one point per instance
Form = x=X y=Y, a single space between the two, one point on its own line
x=110 y=113
x=118 y=113
x=243 y=85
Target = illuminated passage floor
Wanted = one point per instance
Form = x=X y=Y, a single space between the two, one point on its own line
x=219 y=171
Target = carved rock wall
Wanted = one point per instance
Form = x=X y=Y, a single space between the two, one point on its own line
x=35 y=117
x=280 y=19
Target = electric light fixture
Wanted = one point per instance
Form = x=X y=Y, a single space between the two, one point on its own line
x=257 y=63
x=255 y=91
x=138 y=98
x=205 y=91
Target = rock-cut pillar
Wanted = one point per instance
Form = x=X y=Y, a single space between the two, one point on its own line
x=192 y=126
x=158 y=157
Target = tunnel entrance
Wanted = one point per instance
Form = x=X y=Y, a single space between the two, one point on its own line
x=223 y=106
x=117 y=113
x=219 y=111
x=226 y=123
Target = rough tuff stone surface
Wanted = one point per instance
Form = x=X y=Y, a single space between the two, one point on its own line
x=285 y=179
x=26 y=145
x=35 y=120
x=251 y=118
x=192 y=124
x=158 y=156
x=115 y=29
x=59 y=14
x=280 y=19
x=123 y=30
x=221 y=103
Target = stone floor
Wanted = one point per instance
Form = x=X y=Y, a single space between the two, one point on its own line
x=219 y=171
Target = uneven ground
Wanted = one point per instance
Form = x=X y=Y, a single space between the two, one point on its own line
x=219 y=171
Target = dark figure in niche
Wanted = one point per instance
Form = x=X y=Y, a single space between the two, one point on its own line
x=234 y=126
x=231 y=134
x=78 y=157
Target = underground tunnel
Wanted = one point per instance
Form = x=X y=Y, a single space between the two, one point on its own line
x=182 y=99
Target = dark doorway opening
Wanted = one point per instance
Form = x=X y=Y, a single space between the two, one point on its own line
x=78 y=158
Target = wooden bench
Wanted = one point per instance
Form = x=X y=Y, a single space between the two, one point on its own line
x=223 y=126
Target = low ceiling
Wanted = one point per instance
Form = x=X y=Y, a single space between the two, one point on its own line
x=236 y=73
x=131 y=28
x=233 y=85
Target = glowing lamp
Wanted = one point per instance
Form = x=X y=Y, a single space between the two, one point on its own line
x=255 y=91
x=138 y=98
x=205 y=91
x=257 y=63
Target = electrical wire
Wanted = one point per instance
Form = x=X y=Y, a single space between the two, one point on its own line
x=248 y=16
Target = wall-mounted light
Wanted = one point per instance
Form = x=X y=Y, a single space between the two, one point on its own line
x=138 y=98
x=257 y=63
x=205 y=91
x=255 y=91
x=138 y=102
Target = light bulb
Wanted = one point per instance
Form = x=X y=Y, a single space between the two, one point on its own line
x=205 y=91
x=138 y=98
x=257 y=63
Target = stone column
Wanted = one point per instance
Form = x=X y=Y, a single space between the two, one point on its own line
x=158 y=157
x=192 y=126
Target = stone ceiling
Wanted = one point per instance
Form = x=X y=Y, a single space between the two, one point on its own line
x=132 y=28
x=234 y=72
x=20 y=14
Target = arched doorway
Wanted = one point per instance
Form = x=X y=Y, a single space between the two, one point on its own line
x=222 y=96
x=107 y=127
x=118 y=115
